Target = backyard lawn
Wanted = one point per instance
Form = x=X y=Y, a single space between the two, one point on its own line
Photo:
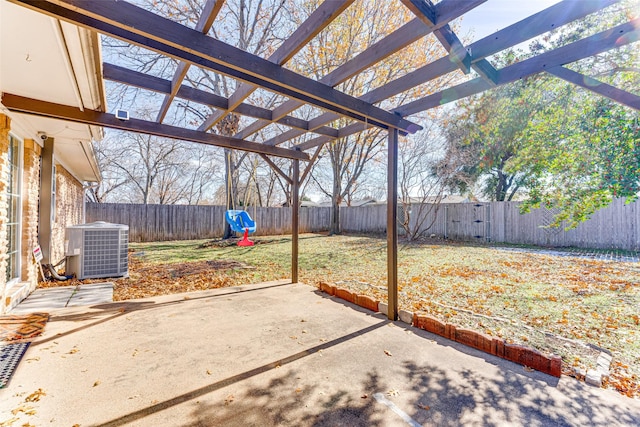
x=569 y=306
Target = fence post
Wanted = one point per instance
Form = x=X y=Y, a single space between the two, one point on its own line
x=487 y=218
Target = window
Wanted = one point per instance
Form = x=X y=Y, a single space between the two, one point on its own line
x=14 y=180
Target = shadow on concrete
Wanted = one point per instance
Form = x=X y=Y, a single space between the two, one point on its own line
x=123 y=308
x=504 y=364
x=126 y=419
x=440 y=401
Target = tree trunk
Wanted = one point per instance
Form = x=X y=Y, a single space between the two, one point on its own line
x=229 y=189
x=336 y=200
x=228 y=127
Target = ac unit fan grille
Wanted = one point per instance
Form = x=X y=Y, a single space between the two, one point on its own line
x=105 y=252
x=124 y=249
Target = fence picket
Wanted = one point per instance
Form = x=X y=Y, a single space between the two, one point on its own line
x=614 y=227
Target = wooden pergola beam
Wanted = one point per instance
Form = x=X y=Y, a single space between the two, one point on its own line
x=596 y=86
x=348 y=130
x=539 y=23
x=36 y=107
x=138 y=26
x=295 y=219
x=392 y=225
x=156 y=84
x=276 y=169
x=447 y=10
x=546 y=20
x=425 y=11
x=205 y=21
x=570 y=11
x=584 y=48
x=316 y=22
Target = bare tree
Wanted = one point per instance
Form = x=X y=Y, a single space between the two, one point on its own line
x=147 y=169
x=255 y=26
x=421 y=190
x=346 y=38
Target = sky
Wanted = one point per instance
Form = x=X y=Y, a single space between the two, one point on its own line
x=498 y=14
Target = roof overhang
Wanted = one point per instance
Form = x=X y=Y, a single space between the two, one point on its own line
x=44 y=58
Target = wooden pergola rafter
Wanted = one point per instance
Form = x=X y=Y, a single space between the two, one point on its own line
x=195 y=48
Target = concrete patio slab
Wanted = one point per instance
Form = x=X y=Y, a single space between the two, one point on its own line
x=48 y=299
x=279 y=355
x=95 y=293
x=45 y=299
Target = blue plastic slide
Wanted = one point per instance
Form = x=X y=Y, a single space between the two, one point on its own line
x=239 y=220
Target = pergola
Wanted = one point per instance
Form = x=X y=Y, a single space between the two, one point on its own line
x=195 y=47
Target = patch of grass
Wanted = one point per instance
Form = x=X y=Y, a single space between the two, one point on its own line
x=550 y=302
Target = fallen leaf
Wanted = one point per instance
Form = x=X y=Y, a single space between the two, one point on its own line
x=228 y=400
x=528 y=369
x=208 y=372
x=393 y=392
x=425 y=407
x=8 y=422
x=21 y=408
x=73 y=351
x=388 y=353
x=298 y=390
x=364 y=396
x=35 y=396
x=96 y=384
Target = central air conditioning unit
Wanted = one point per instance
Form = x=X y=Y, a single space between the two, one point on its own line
x=97 y=250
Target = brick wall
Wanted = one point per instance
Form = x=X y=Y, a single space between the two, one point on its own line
x=5 y=124
x=69 y=203
x=30 y=197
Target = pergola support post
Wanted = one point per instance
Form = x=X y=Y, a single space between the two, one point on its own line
x=47 y=193
x=392 y=228
x=295 y=206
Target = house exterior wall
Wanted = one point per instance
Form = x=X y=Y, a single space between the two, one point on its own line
x=5 y=125
x=68 y=207
x=30 y=198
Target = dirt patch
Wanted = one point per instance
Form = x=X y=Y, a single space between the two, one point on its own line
x=179 y=270
x=225 y=243
x=149 y=280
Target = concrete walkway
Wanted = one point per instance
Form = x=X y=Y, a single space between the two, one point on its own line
x=279 y=355
x=47 y=299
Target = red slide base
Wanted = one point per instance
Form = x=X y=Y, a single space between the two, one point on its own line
x=245 y=240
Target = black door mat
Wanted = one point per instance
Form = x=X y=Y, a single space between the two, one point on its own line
x=10 y=355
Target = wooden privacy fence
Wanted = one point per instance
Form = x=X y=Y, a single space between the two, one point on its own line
x=149 y=223
x=615 y=227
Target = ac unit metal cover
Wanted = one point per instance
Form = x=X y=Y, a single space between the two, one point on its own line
x=97 y=250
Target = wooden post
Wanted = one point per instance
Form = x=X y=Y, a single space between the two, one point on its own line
x=392 y=227
x=47 y=183
x=295 y=188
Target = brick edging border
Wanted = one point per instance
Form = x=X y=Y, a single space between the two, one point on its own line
x=520 y=354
